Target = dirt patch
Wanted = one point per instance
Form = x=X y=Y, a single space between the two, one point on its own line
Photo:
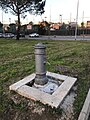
x=66 y=70
x=25 y=109
x=67 y=105
x=21 y=108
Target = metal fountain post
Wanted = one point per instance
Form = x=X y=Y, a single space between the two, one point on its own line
x=40 y=62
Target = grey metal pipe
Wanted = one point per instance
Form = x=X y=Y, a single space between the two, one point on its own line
x=40 y=64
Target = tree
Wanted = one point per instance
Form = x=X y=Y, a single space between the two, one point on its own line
x=20 y=7
x=44 y=28
x=83 y=27
x=63 y=27
x=82 y=24
x=12 y=28
x=1 y=27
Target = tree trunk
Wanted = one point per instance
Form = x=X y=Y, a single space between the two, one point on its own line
x=18 y=26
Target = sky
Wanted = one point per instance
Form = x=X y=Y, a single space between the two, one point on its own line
x=55 y=11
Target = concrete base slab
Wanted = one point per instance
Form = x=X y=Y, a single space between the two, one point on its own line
x=55 y=99
x=85 y=112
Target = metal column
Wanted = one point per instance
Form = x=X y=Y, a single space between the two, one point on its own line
x=40 y=62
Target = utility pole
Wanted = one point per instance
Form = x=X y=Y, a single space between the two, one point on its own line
x=76 y=20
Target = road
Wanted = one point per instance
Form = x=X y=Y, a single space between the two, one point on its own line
x=60 y=38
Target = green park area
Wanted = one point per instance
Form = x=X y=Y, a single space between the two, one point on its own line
x=70 y=58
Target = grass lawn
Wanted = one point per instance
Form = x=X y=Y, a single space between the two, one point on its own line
x=70 y=58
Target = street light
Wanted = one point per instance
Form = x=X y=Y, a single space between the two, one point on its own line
x=61 y=18
x=76 y=20
x=45 y=18
x=9 y=20
x=2 y=16
x=2 y=20
x=83 y=24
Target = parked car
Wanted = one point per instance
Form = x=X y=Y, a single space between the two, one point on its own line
x=1 y=35
x=8 y=35
x=11 y=35
x=34 y=35
x=22 y=35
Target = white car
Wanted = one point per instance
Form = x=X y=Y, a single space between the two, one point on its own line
x=8 y=35
x=34 y=35
x=1 y=35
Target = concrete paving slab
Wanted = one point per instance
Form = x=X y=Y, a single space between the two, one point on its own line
x=22 y=82
x=55 y=99
x=66 y=85
x=57 y=76
x=85 y=112
x=33 y=93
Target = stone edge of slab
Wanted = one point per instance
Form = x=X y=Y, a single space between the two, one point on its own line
x=84 y=114
x=22 y=82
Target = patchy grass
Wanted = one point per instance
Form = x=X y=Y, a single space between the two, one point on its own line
x=17 y=61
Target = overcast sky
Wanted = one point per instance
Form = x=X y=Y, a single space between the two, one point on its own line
x=55 y=8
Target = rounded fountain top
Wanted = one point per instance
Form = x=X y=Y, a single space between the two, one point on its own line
x=40 y=46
